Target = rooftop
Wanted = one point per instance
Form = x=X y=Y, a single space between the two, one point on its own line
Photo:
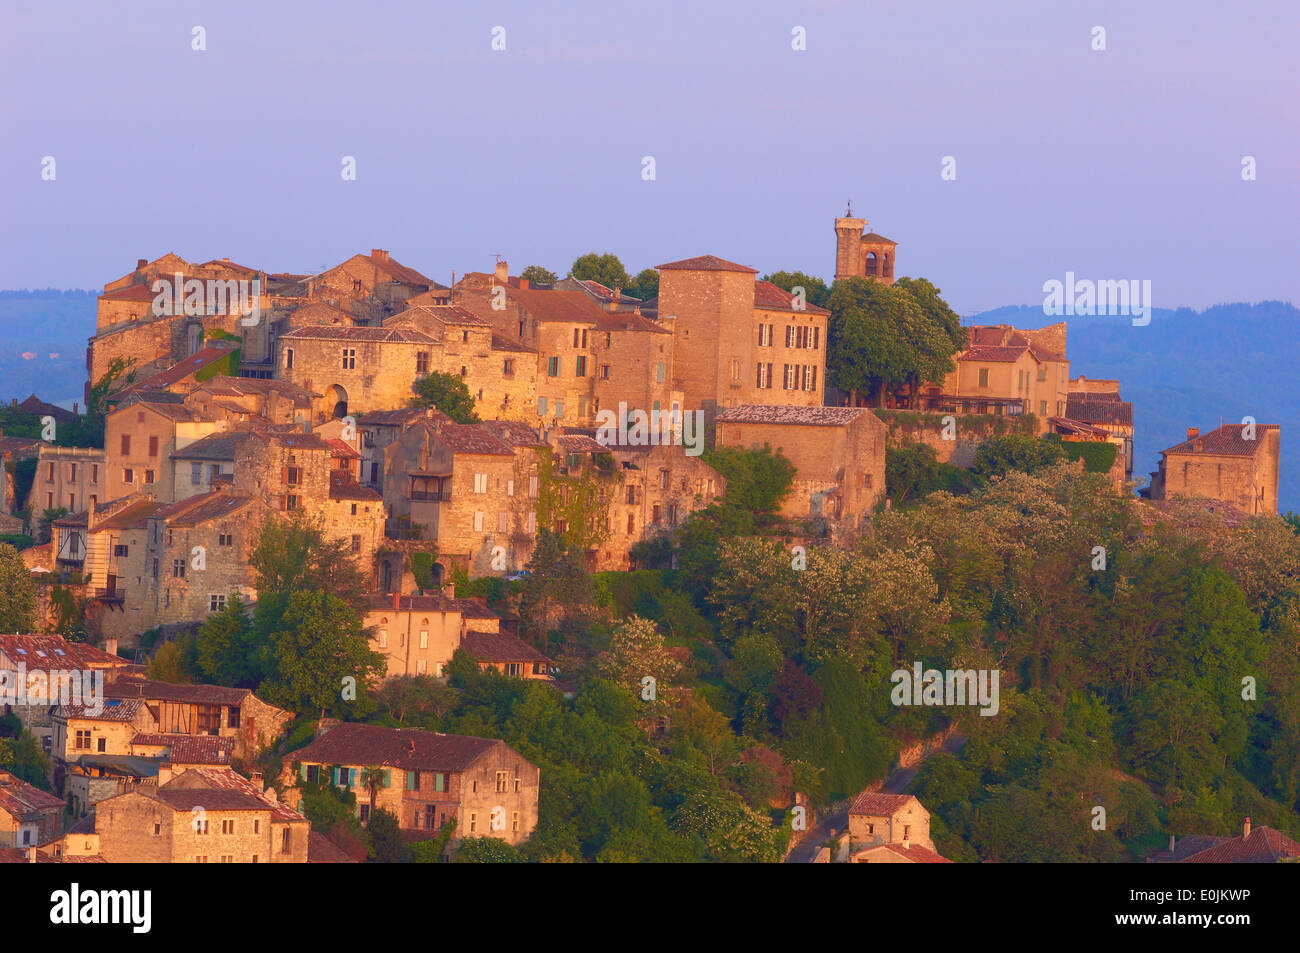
x=406 y=748
x=706 y=263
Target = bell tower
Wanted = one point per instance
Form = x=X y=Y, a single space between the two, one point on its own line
x=859 y=253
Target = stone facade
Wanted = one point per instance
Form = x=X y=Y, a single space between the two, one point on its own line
x=862 y=254
x=68 y=477
x=876 y=819
x=1233 y=463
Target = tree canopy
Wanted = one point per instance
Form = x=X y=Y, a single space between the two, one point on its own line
x=448 y=393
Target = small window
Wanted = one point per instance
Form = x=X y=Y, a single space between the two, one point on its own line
x=984 y=377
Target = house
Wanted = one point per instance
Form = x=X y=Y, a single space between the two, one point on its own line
x=1235 y=463
x=199 y=815
x=838 y=453
x=1256 y=845
x=28 y=815
x=140 y=435
x=427 y=779
x=38 y=671
x=738 y=340
x=378 y=429
x=897 y=821
x=70 y=478
x=507 y=654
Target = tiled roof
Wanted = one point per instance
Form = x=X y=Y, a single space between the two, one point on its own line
x=134 y=516
x=915 y=854
x=1263 y=845
x=994 y=355
x=220 y=789
x=1099 y=409
x=339 y=333
x=340 y=450
x=772 y=298
x=344 y=487
x=781 y=414
x=471 y=438
x=17 y=797
x=580 y=443
x=444 y=313
x=136 y=292
x=181 y=370
x=879 y=805
x=292 y=437
x=318 y=313
x=321 y=850
x=404 y=748
x=628 y=321
x=243 y=386
x=189 y=749
x=498 y=647
x=512 y=433
x=51 y=651
x=399 y=271
x=403 y=415
x=124 y=685
x=502 y=343
x=605 y=293
x=431 y=602
x=215 y=446
x=199 y=509
x=1224 y=440
x=110 y=709
x=569 y=307
x=14 y=444
x=874 y=238
x=473 y=609
x=1078 y=426
x=706 y=263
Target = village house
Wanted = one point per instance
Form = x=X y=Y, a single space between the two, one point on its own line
x=377 y=429
x=13 y=450
x=28 y=815
x=140 y=435
x=68 y=478
x=890 y=829
x=426 y=779
x=1097 y=404
x=838 y=453
x=199 y=815
x=737 y=340
x=369 y=287
x=1255 y=845
x=1235 y=463
x=42 y=660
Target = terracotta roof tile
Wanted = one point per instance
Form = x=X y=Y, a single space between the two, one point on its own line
x=873 y=804
x=344 y=487
x=404 y=748
x=189 y=749
x=195 y=510
x=471 y=438
x=125 y=685
x=705 y=263
x=1224 y=440
x=499 y=647
x=1264 y=845
x=44 y=652
x=769 y=297
x=1098 y=409
x=319 y=332
x=19 y=798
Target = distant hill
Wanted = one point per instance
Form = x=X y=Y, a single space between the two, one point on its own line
x=43 y=343
x=1189 y=368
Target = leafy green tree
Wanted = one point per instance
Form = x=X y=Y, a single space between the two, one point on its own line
x=293 y=554
x=557 y=581
x=320 y=642
x=175 y=661
x=537 y=275
x=815 y=290
x=17 y=593
x=431 y=851
x=21 y=756
x=1000 y=454
x=606 y=269
x=386 y=844
x=448 y=393
x=645 y=285
x=757 y=480
x=228 y=651
x=910 y=470
x=43 y=530
x=485 y=850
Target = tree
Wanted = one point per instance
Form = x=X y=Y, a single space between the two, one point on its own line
x=171 y=663
x=998 y=455
x=17 y=594
x=757 y=480
x=431 y=851
x=557 y=579
x=645 y=285
x=537 y=275
x=386 y=844
x=43 y=532
x=228 y=653
x=606 y=269
x=372 y=779
x=815 y=290
x=320 y=642
x=485 y=850
x=448 y=393
x=636 y=652
x=293 y=554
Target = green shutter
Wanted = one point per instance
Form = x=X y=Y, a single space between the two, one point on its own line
x=303 y=769
x=388 y=778
x=410 y=780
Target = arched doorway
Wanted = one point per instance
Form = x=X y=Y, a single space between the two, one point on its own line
x=193 y=338
x=336 y=401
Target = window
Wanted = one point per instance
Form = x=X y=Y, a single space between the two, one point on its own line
x=72 y=473
x=532 y=522
x=553 y=367
x=659 y=373
x=101 y=745
x=631 y=523
x=94 y=473
x=984 y=377
x=503 y=521
x=49 y=501
x=1042 y=372
x=201 y=827
x=789 y=376
x=153 y=446
x=83 y=739
x=631 y=493
x=1042 y=408
x=765 y=335
x=128 y=475
x=580 y=366
x=478 y=521
x=422 y=362
x=227 y=827
x=349 y=358
x=424 y=638
x=289 y=502
x=654 y=514
x=514 y=821
x=541 y=406
x=157 y=829
x=790 y=330
x=503 y=781
x=510 y=487
x=809 y=377
x=148 y=476
x=508 y=366
x=288 y=359
x=473 y=821
x=225 y=539
x=412 y=780
x=196 y=474
x=292 y=475
x=216 y=602
x=559 y=408
x=356 y=543
x=126 y=451
x=383 y=638
x=480 y=483
x=604 y=372
x=532 y=486
x=232 y=721
x=284 y=840
x=178 y=568
x=120 y=550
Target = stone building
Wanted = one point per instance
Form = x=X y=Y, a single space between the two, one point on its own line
x=876 y=819
x=40 y=667
x=140 y=435
x=68 y=478
x=1235 y=463
x=200 y=815
x=838 y=453
x=738 y=340
x=862 y=254
x=378 y=429
x=1098 y=404
x=429 y=778
x=355 y=369
x=13 y=450
x=28 y=815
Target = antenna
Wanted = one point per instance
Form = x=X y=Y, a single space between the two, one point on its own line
x=499 y=257
x=848 y=210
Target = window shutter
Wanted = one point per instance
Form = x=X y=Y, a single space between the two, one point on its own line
x=281 y=501
x=410 y=780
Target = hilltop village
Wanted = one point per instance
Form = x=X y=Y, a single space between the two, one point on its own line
x=448 y=443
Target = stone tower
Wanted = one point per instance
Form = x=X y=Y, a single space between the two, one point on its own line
x=859 y=253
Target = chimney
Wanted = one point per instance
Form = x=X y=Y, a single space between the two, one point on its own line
x=379 y=253
x=325 y=725
x=140 y=263
x=1171 y=843
x=397 y=601
x=226 y=260
x=31 y=855
x=257 y=782
x=1245 y=829
x=523 y=284
x=164 y=773
x=110 y=645
x=74 y=408
x=503 y=272
x=1193 y=432
x=449 y=590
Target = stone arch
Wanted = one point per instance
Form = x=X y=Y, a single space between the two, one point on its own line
x=193 y=338
x=336 y=401
x=871 y=265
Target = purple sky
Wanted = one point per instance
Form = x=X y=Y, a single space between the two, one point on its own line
x=1117 y=164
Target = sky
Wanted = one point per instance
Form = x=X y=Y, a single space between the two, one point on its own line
x=1122 y=163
